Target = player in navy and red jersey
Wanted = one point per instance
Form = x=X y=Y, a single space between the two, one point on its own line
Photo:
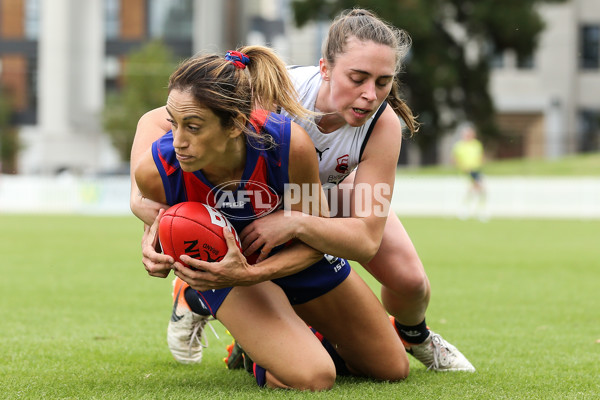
x=264 y=177
x=265 y=169
x=265 y=306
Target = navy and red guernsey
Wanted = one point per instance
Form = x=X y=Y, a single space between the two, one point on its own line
x=261 y=187
x=260 y=191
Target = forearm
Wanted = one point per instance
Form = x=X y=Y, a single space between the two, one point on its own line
x=288 y=261
x=349 y=238
x=151 y=126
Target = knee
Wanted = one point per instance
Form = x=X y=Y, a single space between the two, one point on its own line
x=315 y=379
x=409 y=282
x=416 y=285
x=400 y=373
x=397 y=371
x=397 y=375
x=315 y=375
x=324 y=380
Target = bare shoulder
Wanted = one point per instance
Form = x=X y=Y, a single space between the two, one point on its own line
x=157 y=117
x=303 y=165
x=301 y=144
x=389 y=122
x=386 y=137
x=151 y=126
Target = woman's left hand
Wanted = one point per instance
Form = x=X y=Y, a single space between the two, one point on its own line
x=232 y=270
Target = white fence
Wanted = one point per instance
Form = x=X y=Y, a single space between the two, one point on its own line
x=426 y=196
x=575 y=197
x=64 y=194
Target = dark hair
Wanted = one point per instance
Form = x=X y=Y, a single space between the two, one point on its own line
x=366 y=26
x=231 y=92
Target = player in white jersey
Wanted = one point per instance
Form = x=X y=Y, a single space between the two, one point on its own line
x=357 y=141
x=357 y=138
x=339 y=151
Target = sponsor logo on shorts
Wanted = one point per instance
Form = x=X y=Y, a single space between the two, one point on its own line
x=330 y=259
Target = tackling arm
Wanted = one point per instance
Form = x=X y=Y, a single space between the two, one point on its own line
x=151 y=126
x=356 y=236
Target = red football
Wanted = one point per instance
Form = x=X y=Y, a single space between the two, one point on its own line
x=194 y=229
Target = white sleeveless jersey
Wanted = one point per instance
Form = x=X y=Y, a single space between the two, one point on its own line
x=339 y=151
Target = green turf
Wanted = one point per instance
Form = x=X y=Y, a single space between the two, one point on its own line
x=573 y=165
x=80 y=318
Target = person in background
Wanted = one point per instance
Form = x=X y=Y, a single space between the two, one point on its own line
x=468 y=156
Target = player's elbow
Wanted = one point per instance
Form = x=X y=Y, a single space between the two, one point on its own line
x=134 y=205
x=315 y=255
x=369 y=249
x=135 y=198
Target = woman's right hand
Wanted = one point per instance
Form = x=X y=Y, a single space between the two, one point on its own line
x=157 y=264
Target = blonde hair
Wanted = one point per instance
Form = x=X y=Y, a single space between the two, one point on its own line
x=230 y=91
x=366 y=26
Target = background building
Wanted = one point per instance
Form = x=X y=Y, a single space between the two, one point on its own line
x=549 y=105
x=60 y=58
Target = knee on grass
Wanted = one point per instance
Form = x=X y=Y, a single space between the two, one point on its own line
x=311 y=379
x=392 y=372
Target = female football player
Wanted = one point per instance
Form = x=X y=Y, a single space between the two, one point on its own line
x=221 y=140
x=357 y=137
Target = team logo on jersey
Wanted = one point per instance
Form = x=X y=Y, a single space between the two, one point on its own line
x=261 y=197
x=342 y=164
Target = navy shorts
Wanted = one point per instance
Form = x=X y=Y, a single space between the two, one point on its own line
x=299 y=288
x=475 y=175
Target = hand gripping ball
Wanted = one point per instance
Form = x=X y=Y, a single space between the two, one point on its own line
x=194 y=229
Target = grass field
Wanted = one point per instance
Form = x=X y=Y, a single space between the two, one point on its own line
x=80 y=319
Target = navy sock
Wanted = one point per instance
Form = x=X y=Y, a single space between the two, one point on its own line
x=340 y=365
x=260 y=374
x=196 y=304
x=413 y=334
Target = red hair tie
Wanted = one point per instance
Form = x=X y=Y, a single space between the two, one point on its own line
x=240 y=60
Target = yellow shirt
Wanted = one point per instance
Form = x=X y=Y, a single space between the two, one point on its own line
x=468 y=155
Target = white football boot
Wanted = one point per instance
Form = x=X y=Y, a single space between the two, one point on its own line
x=184 y=333
x=439 y=355
x=436 y=353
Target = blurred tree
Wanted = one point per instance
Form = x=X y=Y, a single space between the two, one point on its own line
x=446 y=75
x=9 y=139
x=144 y=87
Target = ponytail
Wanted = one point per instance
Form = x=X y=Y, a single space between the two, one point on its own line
x=402 y=109
x=272 y=87
x=232 y=86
